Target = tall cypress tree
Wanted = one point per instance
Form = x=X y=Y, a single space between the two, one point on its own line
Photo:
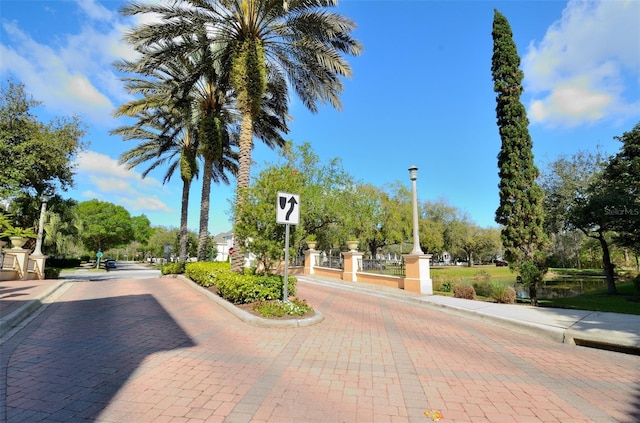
x=521 y=199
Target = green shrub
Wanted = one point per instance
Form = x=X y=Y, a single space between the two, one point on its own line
x=205 y=273
x=238 y=288
x=176 y=268
x=502 y=293
x=444 y=283
x=51 y=273
x=464 y=291
x=241 y=289
x=482 y=288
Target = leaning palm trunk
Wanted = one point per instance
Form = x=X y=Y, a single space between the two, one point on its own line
x=203 y=236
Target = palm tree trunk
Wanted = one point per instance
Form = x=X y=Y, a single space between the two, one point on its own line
x=184 y=213
x=244 y=176
x=203 y=236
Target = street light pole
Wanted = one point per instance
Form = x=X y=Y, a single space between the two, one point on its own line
x=43 y=208
x=413 y=175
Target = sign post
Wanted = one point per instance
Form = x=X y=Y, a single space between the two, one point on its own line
x=99 y=256
x=287 y=213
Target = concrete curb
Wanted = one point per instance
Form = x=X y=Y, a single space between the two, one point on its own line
x=250 y=318
x=14 y=318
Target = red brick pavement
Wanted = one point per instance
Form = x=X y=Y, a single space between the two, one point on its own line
x=160 y=351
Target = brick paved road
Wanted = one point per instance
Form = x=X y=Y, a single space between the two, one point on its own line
x=159 y=351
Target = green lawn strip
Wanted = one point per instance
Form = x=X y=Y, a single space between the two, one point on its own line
x=626 y=301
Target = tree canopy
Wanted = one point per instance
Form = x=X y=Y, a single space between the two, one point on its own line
x=35 y=157
x=598 y=196
x=622 y=174
x=103 y=225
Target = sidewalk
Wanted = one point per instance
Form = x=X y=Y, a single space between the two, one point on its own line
x=618 y=332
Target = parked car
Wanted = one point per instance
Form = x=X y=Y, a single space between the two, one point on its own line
x=501 y=263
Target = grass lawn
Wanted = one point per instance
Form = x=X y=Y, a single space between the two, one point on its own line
x=626 y=301
x=465 y=273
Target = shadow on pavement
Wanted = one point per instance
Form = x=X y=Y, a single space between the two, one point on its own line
x=635 y=412
x=11 y=296
x=71 y=360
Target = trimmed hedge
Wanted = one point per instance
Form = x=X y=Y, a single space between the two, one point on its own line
x=176 y=268
x=239 y=288
x=205 y=273
x=65 y=263
x=51 y=273
x=636 y=284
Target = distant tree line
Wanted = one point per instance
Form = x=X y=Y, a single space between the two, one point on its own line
x=335 y=208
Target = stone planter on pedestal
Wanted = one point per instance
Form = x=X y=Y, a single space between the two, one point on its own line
x=18 y=241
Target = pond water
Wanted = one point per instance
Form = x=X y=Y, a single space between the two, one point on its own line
x=563 y=289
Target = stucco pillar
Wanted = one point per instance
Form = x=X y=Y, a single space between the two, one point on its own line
x=351 y=261
x=418 y=275
x=310 y=260
x=40 y=262
x=22 y=261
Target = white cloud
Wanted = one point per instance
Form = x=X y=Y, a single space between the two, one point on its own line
x=587 y=66
x=112 y=182
x=95 y=11
x=73 y=74
x=95 y=163
x=146 y=204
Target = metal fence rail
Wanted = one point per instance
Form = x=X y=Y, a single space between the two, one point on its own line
x=331 y=261
x=384 y=267
x=297 y=261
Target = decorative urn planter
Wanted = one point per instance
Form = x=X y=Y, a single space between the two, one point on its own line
x=352 y=245
x=312 y=244
x=18 y=241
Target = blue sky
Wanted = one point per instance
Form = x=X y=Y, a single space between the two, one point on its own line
x=421 y=94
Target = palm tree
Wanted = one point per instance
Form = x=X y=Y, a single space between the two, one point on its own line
x=204 y=82
x=212 y=96
x=177 y=148
x=166 y=124
x=257 y=39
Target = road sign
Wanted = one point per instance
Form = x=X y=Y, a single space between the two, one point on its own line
x=99 y=256
x=288 y=209
x=287 y=213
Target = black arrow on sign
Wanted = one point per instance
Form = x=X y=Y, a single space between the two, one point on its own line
x=293 y=203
